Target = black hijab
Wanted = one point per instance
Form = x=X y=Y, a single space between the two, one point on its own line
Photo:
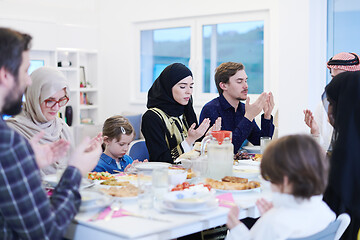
x=160 y=93
x=343 y=93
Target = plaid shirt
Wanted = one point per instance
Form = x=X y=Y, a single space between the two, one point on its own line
x=25 y=210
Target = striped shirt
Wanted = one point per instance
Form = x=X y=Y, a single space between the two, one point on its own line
x=25 y=210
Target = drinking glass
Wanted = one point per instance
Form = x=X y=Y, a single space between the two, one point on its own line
x=264 y=142
x=145 y=191
x=199 y=167
x=160 y=183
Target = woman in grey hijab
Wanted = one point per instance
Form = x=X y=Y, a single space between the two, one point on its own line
x=48 y=92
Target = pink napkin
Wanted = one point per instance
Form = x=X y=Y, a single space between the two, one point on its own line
x=49 y=191
x=120 y=174
x=225 y=200
x=120 y=213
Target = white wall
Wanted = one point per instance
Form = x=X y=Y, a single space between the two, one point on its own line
x=66 y=23
x=297 y=48
x=297 y=54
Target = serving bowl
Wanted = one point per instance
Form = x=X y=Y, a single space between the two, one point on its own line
x=90 y=197
x=188 y=199
x=177 y=176
x=246 y=171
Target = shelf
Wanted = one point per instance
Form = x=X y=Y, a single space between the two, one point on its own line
x=86 y=107
x=88 y=89
x=67 y=69
x=83 y=68
x=84 y=90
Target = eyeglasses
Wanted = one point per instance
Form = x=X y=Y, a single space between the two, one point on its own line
x=51 y=103
x=349 y=62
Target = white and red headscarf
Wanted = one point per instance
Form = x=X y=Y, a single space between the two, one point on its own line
x=345 y=61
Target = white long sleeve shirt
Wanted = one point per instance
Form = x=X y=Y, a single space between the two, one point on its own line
x=289 y=218
x=325 y=128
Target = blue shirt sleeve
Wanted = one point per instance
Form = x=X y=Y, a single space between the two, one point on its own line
x=127 y=160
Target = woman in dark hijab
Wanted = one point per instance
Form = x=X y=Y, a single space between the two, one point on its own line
x=170 y=124
x=343 y=191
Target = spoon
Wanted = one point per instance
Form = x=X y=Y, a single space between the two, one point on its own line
x=115 y=206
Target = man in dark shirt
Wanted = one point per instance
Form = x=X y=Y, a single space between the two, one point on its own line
x=25 y=210
x=231 y=82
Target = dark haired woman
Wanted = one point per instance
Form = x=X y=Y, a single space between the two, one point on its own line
x=170 y=124
x=343 y=107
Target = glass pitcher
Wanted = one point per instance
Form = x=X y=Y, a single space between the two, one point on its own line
x=220 y=154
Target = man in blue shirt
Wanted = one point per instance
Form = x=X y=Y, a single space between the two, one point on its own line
x=231 y=82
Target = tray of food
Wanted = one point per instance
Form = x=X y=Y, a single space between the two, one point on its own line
x=233 y=184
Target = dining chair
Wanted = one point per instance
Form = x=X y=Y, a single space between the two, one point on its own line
x=332 y=232
x=135 y=121
x=138 y=150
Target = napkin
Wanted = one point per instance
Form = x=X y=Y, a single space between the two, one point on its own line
x=119 y=213
x=49 y=191
x=226 y=200
x=120 y=174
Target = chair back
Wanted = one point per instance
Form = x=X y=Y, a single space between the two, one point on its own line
x=332 y=232
x=135 y=121
x=138 y=150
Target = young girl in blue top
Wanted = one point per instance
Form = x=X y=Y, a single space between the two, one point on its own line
x=118 y=133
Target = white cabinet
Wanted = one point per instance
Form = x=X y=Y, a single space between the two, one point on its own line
x=81 y=70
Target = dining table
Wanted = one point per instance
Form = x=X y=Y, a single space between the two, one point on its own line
x=161 y=222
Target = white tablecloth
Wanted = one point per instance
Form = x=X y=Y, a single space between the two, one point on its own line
x=177 y=225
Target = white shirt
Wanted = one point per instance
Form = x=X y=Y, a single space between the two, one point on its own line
x=185 y=145
x=289 y=218
x=325 y=128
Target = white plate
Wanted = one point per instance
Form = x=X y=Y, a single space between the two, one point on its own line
x=103 y=202
x=90 y=197
x=53 y=181
x=246 y=171
x=208 y=207
x=248 y=162
x=125 y=198
x=252 y=149
x=99 y=187
x=149 y=166
x=188 y=199
x=238 y=191
x=98 y=183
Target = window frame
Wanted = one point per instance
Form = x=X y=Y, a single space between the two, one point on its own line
x=196 y=50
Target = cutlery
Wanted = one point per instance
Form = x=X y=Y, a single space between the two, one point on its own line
x=96 y=215
x=115 y=206
x=145 y=217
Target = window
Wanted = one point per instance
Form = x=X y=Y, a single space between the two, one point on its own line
x=160 y=48
x=343 y=27
x=34 y=64
x=236 y=42
x=202 y=44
